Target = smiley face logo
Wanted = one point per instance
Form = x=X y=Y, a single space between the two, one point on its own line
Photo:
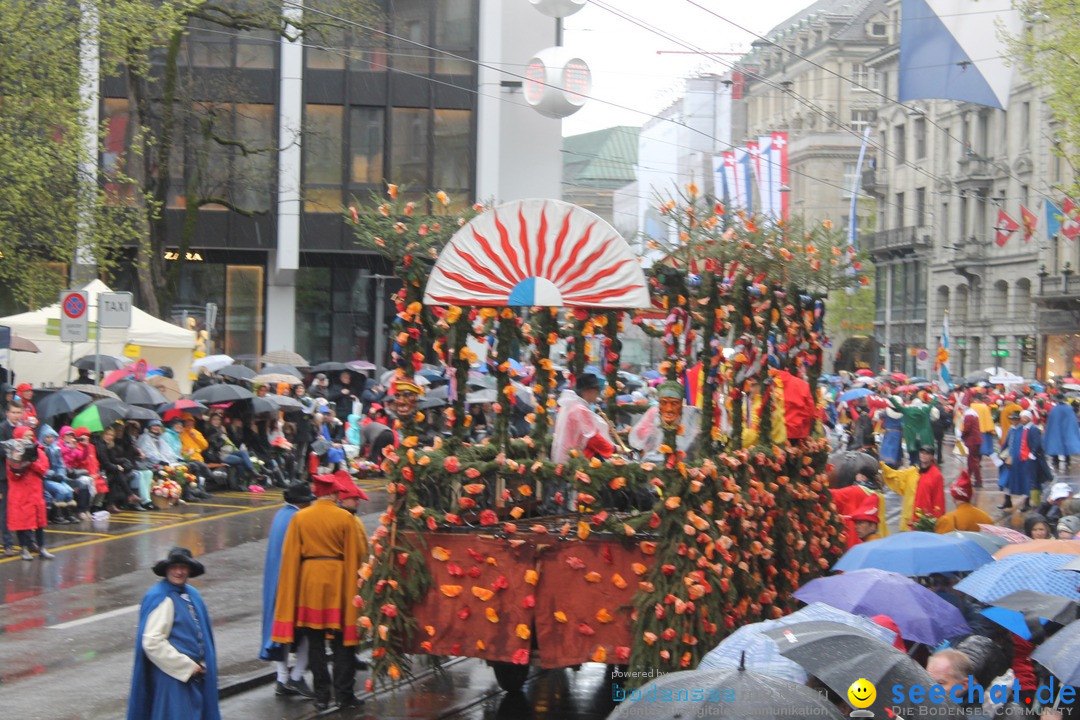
x=862 y=693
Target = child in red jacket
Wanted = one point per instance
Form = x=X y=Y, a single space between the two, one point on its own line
x=26 y=466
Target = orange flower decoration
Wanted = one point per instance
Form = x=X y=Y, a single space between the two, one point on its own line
x=523 y=632
x=600 y=655
x=532 y=577
x=560 y=616
x=491 y=615
x=482 y=593
x=450 y=590
x=618 y=581
x=593 y=577
x=604 y=616
x=440 y=553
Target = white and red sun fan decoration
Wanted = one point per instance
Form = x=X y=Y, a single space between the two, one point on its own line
x=538 y=253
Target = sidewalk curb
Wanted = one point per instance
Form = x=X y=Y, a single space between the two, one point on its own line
x=246 y=682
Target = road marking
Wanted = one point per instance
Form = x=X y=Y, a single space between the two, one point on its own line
x=77 y=532
x=144 y=531
x=93 y=618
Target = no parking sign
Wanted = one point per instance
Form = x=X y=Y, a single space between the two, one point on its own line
x=74 y=316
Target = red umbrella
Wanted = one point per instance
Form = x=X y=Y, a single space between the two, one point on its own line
x=907 y=388
x=899 y=377
x=864 y=372
x=181 y=407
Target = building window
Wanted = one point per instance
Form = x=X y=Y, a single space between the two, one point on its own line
x=412 y=23
x=409 y=147
x=863 y=78
x=1025 y=125
x=850 y=179
x=453 y=159
x=455 y=25
x=899 y=210
x=919 y=130
x=366 y=145
x=208 y=46
x=963 y=218
x=861 y=119
x=877 y=30
x=920 y=207
x=900 y=143
x=322 y=146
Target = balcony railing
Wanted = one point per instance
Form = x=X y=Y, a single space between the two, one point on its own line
x=901 y=238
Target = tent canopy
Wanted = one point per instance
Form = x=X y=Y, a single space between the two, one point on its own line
x=160 y=342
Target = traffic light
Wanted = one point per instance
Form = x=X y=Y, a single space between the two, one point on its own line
x=999 y=353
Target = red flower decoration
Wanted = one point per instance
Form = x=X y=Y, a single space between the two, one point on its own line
x=488 y=517
x=520 y=657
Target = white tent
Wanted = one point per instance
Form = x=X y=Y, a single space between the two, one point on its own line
x=160 y=342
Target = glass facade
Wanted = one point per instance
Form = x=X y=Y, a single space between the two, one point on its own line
x=335 y=309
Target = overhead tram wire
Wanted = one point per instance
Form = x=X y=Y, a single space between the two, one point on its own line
x=611 y=103
x=910 y=108
x=809 y=104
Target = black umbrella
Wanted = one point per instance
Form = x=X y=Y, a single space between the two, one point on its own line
x=134 y=392
x=742 y=694
x=62 y=402
x=430 y=403
x=107 y=363
x=282 y=369
x=1061 y=654
x=838 y=655
x=289 y=405
x=134 y=412
x=263 y=406
x=214 y=394
x=236 y=372
x=1040 y=605
x=329 y=367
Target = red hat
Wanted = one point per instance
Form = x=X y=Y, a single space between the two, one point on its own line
x=960 y=492
x=867 y=509
x=889 y=624
x=349 y=488
x=23 y=387
x=324 y=485
x=21 y=432
x=82 y=431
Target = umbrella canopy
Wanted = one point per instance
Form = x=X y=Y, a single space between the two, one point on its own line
x=215 y=394
x=1061 y=654
x=107 y=363
x=989 y=543
x=864 y=372
x=263 y=406
x=102 y=413
x=745 y=695
x=134 y=392
x=62 y=402
x=920 y=614
x=284 y=357
x=839 y=655
x=183 y=405
x=915 y=553
x=898 y=377
x=361 y=365
x=1055 y=547
x=329 y=367
x=977 y=376
x=749 y=645
x=20 y=344
x=482 y=396
x=854 y=394
x=1020 y=572
x=1041 y=605
x=95 y=391
x=211 y=363
x=281 y=369
x=430 y=403
x=1010 y=535
x=479 y=382
x=166 y=386
x=286 y=403
x=236 y=372
x=1073 y=565
x=652 y=375
x=275 y=378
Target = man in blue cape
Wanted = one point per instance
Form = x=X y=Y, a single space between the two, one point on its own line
x=1062 y=437
x=175 y=675
x=289 y=682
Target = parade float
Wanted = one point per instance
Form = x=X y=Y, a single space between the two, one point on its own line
x=493 y=550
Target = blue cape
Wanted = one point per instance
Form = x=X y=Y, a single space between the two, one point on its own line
x=270 y=650
x=1062 y=432
x=157 y=696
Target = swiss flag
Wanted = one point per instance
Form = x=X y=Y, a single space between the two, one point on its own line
x=1070 y=221
x=1029 y=221
x=1005 y=227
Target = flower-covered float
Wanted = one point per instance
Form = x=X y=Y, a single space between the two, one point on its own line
x=645 y=559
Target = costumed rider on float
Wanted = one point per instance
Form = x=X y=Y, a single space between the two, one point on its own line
x=647 y=434
x=577 y=426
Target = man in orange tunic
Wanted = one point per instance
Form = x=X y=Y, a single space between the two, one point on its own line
x=316 y=585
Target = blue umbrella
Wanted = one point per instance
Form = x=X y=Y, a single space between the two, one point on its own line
x=761 y=653
x=1024 y=571
x=854 y=394
x=915 y=553
x=593 y=370
x=920 y=614
x=652 y=375
x=1011 y=620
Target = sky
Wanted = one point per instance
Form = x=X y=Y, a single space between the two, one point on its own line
x=622 y=56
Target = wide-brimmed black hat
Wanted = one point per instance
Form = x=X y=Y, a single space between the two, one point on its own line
x=928 y=449
x=299 y=492
x=587 y=381
x=179 y=556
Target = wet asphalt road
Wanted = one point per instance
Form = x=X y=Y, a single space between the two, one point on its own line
x=67 y=625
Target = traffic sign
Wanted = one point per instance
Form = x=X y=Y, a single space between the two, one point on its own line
x=114 y=310
x=74 y=316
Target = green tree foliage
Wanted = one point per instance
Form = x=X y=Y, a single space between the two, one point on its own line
x=1050 y=48
x=48 y=207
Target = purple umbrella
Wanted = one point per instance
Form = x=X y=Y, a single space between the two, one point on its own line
x=920 y=614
